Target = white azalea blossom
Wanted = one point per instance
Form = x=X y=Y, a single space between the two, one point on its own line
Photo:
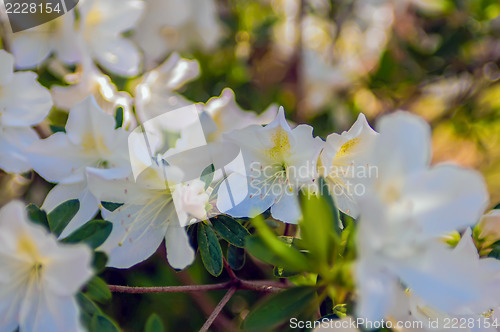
x=222 y=115
x=156 y=95
x=171 y=25
x=102 y=23
x=477 y=316
x=345 y=167
x=33 y=46
x=39 y=277
x=156 y=206
x=89 y=80
x=279 y=162
x=404 y=212
x=90 y=141
x=23 y=103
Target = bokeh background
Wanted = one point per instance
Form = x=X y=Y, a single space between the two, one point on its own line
x=324 y=61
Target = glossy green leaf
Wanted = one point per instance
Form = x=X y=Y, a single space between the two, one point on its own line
x=273 y=250
x=60 y=217
x=110 y=206
x=210 y=250
x=207 y=175
x=98 y=290
x=318 y=229
x=37 y=216
x=280 y=307
x=101 y=323
x=230 y=230
x=99 y=262
x=119 y=117
x=93 y=233
x=88 y=309
x=154 y=324
x=235 y=257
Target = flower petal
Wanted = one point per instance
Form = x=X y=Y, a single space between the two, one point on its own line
x=180 y=254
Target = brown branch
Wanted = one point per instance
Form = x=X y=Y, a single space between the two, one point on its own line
x=229 y=270
x=218 y=308
x=170 y=289
x=255 y=285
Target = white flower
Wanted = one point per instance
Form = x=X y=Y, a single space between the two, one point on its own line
x=39 y=277
x=33 y=46
x=155 y=94
x=404 y=213
x=228 y=115
x=23 y=103
x=345 y=167
x=171 y=25
x=88 y=80
x=90 y=141
x=279 y=161
x=218 y=116
x=156 y=207
x=413 y=308
x=102 y=23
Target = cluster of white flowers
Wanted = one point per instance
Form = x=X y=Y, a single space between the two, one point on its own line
x=383 y=178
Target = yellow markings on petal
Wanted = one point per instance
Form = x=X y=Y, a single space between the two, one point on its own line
x=92 y=143
x=94 y=17
x=281 y=145
x=26 y=246
x=347 y=147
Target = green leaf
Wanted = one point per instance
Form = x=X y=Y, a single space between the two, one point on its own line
x=88 y=309
x=318 y=229
x=279 y=307
x=119 y=117
x=98 y=290
x=99 y=262
x=209 y=247
x=101 y=323
x=61 y=216
x=154 y=324
x=37 y=216
x=207 y=175
x=495 y=250
x=273 y=250
x=235 y=257
x=230 y=230
x=111 y=206
x=93 y=233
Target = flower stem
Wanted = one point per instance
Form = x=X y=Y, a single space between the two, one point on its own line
x=218 y=308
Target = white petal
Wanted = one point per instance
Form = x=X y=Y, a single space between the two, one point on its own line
x=238 y=198
x=69 y=268
x=43 y=312
x=24 y=101
x=31 y=48
x=57 y=159
x=132 y=239
x=117 y=55
x=403 y=146
x=376 y=291
x=287 y=208
x=6 y=67
x=446 y=198
x=179 y=251
x=13 y=144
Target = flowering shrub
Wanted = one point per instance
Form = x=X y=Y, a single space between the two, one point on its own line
x=128 y=167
